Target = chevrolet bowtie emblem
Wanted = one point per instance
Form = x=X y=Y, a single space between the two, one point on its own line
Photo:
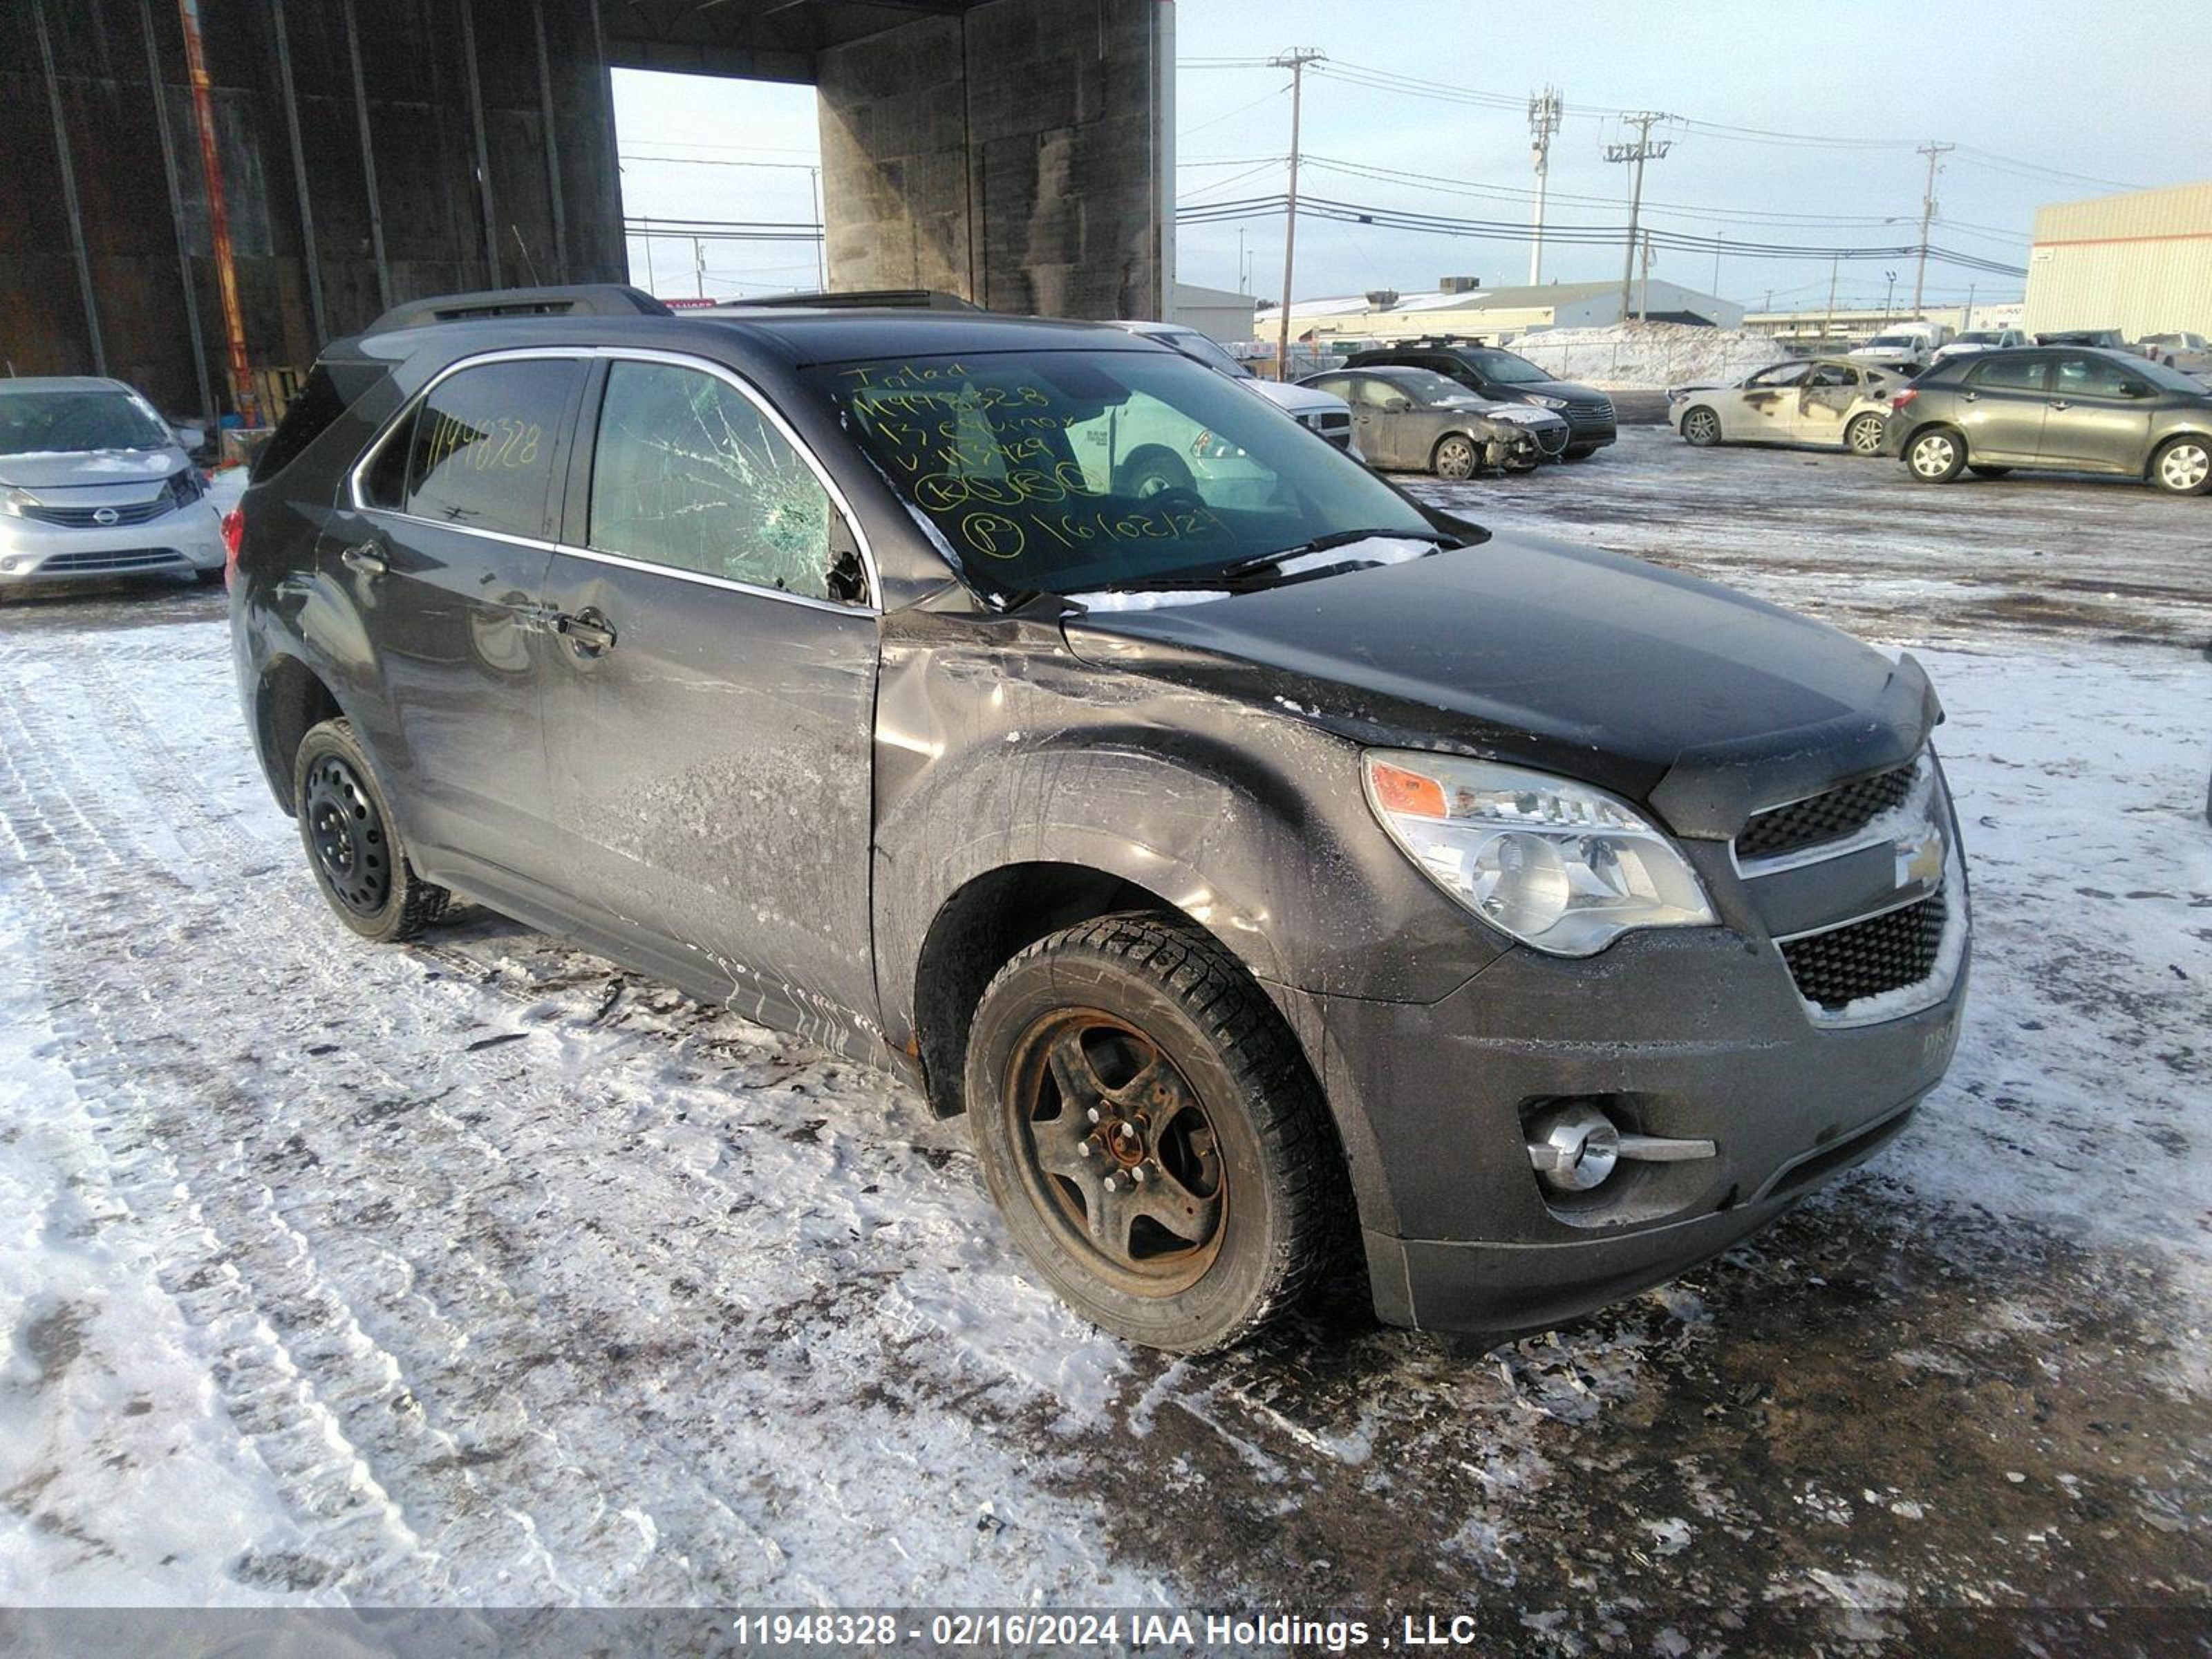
x=1920 y=860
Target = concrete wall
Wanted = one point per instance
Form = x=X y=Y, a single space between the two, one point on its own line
x=1011 y=154
x=414 y=71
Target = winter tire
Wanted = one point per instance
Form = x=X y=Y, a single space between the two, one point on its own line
x=1701 y=427
x=1863 y=436
x=1150 y=1134
x=353 y=846
x=2183 y=466
x=1936 y=456
x=1989 y=471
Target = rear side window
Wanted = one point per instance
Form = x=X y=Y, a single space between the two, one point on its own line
x=305 y=419
x=2088 y=376
x=687 y=473
x=2009 y=375
x=481 y=455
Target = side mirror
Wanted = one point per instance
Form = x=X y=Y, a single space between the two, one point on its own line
x=188 y=438
x=1399 y=405
x=2133 y=389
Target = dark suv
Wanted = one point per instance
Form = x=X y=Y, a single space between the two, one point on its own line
x=1266 y=865
x=1502 y=375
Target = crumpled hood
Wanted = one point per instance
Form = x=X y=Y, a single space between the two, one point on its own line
x=75 y=469
x=1704 y=702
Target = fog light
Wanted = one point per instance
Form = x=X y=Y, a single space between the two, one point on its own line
x=1573 y=1145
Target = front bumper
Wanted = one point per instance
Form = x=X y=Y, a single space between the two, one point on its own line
x=181 y=542
x=1692 y=1033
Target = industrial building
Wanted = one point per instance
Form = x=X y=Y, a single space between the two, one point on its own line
x=2141 y=263
x=1461 y=306
x=201 y=191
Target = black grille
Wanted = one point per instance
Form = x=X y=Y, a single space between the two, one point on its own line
x=1552 y=440
x=1337 y=429
x=136 y=558
x=1887 y=952
x=1825 y=817
x=82 y=518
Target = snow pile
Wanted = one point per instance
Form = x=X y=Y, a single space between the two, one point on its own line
x=1632 y=356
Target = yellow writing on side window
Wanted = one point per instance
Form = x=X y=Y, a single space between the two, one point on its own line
x=497 y=441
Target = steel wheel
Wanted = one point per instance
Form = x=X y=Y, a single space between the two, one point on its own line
x=1118 y=1155
x=347 y=834
x=1864 y=437
x=1455 y=459
x=1702 y=427
x=2183 y=466
x=1935 y=457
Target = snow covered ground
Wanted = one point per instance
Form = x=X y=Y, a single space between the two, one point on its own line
x=1648 y=356
x=482 y=1271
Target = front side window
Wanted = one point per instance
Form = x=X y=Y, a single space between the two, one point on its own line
x=2090 y=376
x=1068 y=472
x=687 y=473
x=2009 y=375
x=1831 y=377
x=482 y=452
x=1780 y=375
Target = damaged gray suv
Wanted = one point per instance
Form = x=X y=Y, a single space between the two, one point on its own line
x=1271 y=868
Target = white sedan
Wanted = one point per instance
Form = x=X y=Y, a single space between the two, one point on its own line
x=1821 y=400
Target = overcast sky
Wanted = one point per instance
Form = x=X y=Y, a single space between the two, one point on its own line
x=2034 y=90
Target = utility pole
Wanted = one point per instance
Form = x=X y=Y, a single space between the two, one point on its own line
x=1544 y=111
x=699 y=265
x=1933 y=152
x=821 y=232
x=1645 y=148
x=1644 y=300
x=1828 y=323
x=1294 y=61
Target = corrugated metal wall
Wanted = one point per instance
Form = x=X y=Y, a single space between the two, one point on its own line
x=2141 y=263
x=414 y=71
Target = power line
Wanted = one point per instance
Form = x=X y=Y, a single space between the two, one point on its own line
x=1645 y=148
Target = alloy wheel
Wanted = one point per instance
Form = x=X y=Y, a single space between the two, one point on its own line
x=1701 y=426
x=1454 y=458
x=348 y=836
x=1866 y=435
x=2184 y=467
x=1933 y=455
x=1119 y=1156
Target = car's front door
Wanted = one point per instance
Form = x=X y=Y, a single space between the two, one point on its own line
x=2001 y=406
x=440 y=551
x=1768 y=405
x=710 y=719
x=2100 y=414
x=1378 y=431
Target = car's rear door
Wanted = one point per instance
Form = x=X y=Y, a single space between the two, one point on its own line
x=2100 y=414
x=1828 y=391
x=439 y=554
x=2000 y=405
x=709 y=718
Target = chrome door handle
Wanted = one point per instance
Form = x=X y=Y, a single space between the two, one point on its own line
x=365 y=560
x=592 y=634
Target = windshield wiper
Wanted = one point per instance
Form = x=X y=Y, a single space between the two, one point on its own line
x=1261 y=564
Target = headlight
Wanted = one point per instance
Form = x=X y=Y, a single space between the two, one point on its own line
x=1548 y=403
x=13 y=501
x=1555 y=863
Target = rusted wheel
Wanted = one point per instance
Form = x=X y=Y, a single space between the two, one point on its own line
x=1150 y=1132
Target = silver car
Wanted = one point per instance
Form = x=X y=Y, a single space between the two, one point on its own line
x=1821 y=400
x=94 y=484
x=1413 y=420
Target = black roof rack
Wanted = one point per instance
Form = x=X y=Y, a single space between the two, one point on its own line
x=906 y=299
x=575 y=300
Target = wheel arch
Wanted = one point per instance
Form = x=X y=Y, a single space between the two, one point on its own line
x=2201 y=433
x=289 y=700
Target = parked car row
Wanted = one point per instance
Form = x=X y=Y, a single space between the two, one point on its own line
x=1988 y=411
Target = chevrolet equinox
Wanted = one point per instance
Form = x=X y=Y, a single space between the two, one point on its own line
x=1270 y=867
